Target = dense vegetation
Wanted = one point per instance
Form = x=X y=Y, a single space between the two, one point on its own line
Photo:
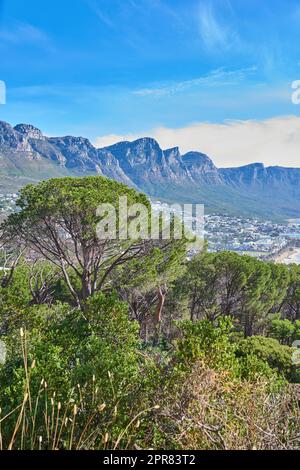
x=121 y=344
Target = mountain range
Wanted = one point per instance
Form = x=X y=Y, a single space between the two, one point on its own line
x=26 y=155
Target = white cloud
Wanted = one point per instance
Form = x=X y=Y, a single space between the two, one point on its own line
x=24 y=33
x=215 y=34
x=216 y=77
x=111 y=139
x=273 y=141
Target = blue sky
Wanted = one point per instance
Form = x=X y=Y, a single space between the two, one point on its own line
x=102 y=67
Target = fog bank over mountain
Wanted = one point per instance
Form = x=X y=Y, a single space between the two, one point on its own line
x=274 y=141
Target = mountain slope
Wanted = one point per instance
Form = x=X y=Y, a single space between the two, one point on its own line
x=26 y=155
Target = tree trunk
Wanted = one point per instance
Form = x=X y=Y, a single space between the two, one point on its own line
x=248 y=330
x=161 y=301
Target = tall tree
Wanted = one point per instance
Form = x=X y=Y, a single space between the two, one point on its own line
x=290 y=307
x=58 y=220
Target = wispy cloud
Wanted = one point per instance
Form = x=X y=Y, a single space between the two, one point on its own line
x=103 y=17
x=216 y=33
x=24 y=33
x=217 y=77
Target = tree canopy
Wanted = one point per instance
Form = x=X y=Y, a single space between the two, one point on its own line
x=58 y=220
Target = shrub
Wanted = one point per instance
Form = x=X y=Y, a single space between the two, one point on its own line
x=282 y=330
x=210 y=411
x=269 y=350
x=74 y=356
x=207 y=339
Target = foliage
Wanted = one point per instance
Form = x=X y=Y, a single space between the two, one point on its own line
x=285 y=331
x=210 y=410
x=90 y=385
x=269 y=350
x=218 y=284
x=128 y=344
x=205 y=339
x=58 y=220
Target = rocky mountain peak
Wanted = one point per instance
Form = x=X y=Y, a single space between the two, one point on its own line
x=5 y=128
x=146 y=141
x=29 y=131
x=142 y=164
x=197 y=158
x=172 y=153
x=254 y=166
x=11 y=139
x=70 y=141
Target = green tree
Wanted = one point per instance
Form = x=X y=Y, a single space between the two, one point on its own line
x=290 y=307
x=285 y=331
x=227 y=284
x=58 y=221
x=282 y=330
x=145 y=283
x=265 y=289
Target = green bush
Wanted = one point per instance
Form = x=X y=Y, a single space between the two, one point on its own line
x=72 y=354
x=214 y=342
x=272 y=353
x=206 y=339
x=284 y=331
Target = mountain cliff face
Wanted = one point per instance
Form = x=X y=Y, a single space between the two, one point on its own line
x=27 y=155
